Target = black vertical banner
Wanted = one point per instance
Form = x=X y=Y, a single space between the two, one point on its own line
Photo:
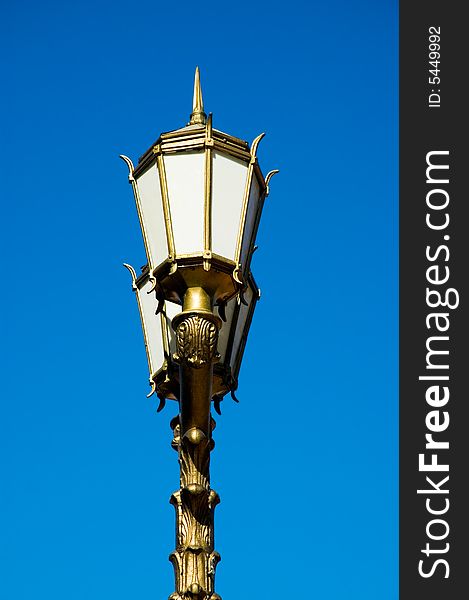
x=434 y=256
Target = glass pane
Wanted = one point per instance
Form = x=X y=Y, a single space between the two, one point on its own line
x=171 y=310
x=224 y=334
x=241 y=326
x=253 y=206
x=148 y=185
x=228 y=183
x=152 y=327
x=185 y=177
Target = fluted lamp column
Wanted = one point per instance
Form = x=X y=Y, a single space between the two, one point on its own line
x=199 y=195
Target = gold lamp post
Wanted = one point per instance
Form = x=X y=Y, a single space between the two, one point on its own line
x=199 y=195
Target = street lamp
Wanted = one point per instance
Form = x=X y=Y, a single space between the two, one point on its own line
x=199 y=194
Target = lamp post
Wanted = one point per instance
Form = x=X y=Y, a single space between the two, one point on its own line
x=199 y=195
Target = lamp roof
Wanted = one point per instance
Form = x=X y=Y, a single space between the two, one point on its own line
x=193 y=136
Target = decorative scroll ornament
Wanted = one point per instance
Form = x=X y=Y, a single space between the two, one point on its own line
x=196 y=341
x=194 y=559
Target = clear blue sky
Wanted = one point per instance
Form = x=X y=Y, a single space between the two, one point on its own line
x=306 y=464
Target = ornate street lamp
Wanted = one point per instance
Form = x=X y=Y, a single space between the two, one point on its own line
x=199 y=195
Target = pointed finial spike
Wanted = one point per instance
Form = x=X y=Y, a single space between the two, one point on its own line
x=197 y=116
x=198 y=103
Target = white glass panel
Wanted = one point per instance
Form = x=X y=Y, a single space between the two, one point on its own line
x=171 y=310
x=228 y=183
x=152 y=326
x=225 y=329
x=241 y=324
x=185 y=177
x=251 y=214
x=148 y=185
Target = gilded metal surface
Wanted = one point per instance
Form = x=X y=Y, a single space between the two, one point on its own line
x=196 y=339
x=208 y=194
x=197 y=299
x=268 y=177
x=218 y=281
x=194 y=559
x=192 y=139
x=197 y=116
x=196 y=330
